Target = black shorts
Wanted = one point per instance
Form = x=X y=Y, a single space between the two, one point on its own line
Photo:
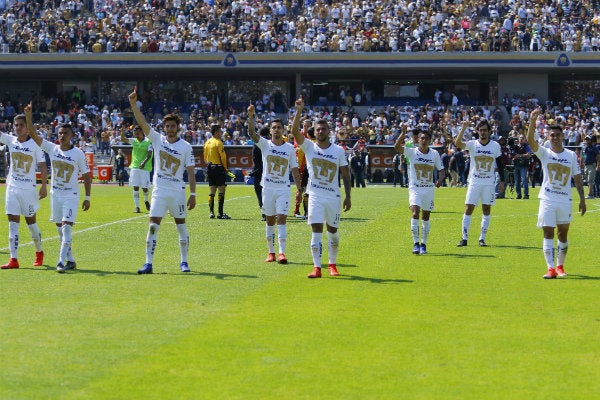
x=304 y=177
x=216 y=175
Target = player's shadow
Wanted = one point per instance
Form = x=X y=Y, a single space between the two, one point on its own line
x=356 y=219
x=517 y=247
x=583 y=277
x=459 y=255
x=97 y=272
x=222 y=276
x=371 y=280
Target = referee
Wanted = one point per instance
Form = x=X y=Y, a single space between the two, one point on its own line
x=216 y=170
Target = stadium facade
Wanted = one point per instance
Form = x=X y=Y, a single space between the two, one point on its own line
x=481 y=78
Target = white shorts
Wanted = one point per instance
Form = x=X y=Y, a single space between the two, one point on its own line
x=422 y=199
x=173 y=201
x=276 y=201
x=324 y=210
x=484 y=193
x=21 y=201
x=139 y=178
x=63 y=209
x=553 y=213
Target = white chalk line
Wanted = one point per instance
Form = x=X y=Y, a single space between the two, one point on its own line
x=102 y=226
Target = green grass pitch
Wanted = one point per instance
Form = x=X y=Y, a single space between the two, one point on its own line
x=457 y=323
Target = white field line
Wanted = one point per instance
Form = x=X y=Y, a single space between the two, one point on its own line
x=93 y=228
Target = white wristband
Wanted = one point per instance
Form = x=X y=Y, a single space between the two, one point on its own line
x=192 y=194
x=87 y=198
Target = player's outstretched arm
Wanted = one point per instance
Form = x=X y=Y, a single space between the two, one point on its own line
x=137 y=113
x=531 y=130
x=296 y=123
x=29 y=121
x=251 y=127
x=459 y=143
x=399 y=145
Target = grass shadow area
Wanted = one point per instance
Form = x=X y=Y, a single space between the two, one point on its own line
x=372 y=280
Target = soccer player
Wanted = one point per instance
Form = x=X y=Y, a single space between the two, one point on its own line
x=21 y=195
x=559 y=166
x=172 y=156
x=216 y=170
x=485 y=159
x=257 y=169
x=325 y=161
x=68 y=164
x=423 y=162
x=141 y=165
x=278 y=158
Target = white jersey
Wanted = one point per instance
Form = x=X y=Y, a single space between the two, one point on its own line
x=170 y=160
x=482 y=167
x=558 y=169
x=67 y=167
x=277 y=163
x=24 y=158
x=421 y=168
x=323 y=169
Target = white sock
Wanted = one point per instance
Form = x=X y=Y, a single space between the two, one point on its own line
x=316 y=248
x=485 y=224
x=282 y=237
x=426 y=229
x=466 y=223
x=13 y=239
x=561 y=250
x=151 y=239
x=271 y=238
x=36 y=236
x=548 y=247
x=333 y=244
x=60 y=238
x=146 y=195
x=65 y=244
x=414 y=228
x=136 y=198
x=184 y=241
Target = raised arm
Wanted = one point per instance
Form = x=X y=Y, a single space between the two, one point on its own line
x=29 y=120
x=137 y=113
x=399 y=145
x=296 y=123
x=459 y=143
x=531 y=130
x=251 y=127
x=123 y=137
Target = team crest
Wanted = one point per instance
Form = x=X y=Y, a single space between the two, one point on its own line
x=229 y=60
x=563 y=60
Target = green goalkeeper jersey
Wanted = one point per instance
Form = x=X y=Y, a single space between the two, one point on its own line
x=139 y=153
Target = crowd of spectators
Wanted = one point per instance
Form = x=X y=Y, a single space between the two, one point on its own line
x=80 y=26
x=100 y=125
x=61 y=26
